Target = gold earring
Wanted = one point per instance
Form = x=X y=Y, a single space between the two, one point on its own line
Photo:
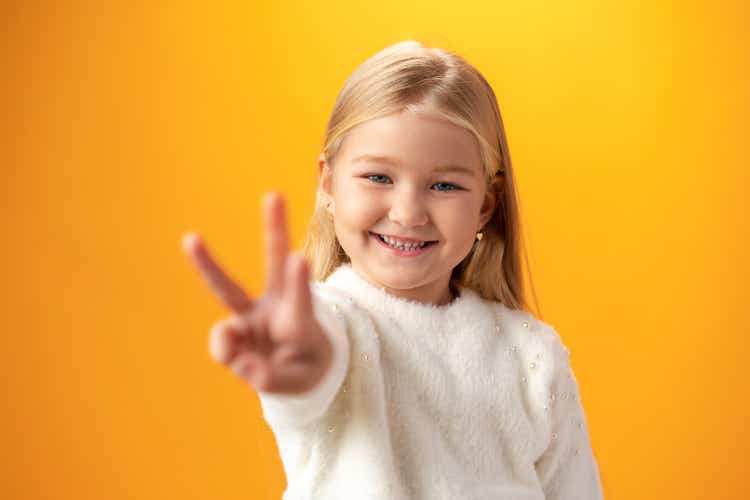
x=480 y=235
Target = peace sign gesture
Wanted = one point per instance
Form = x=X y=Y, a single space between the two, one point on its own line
x=274 y=343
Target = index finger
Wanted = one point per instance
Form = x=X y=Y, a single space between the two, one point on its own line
x=224 y=287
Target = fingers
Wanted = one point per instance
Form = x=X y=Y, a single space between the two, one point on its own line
x=225 y=288
x=277 y=241
x=237 y=335
x=285 y=373
x=297 y=285
x=294 y=309
x=251 y=367
x=222 y=342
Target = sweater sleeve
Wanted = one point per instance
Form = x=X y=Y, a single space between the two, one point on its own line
x=567 y=469
x=282 y=410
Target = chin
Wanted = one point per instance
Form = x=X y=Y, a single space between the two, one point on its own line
x=398 y=279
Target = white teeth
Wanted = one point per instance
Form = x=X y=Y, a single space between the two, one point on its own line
x=402 y=246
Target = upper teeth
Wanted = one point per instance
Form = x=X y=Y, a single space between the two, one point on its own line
x=402 y=245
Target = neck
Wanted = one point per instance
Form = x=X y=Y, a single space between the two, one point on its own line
x=438 y=293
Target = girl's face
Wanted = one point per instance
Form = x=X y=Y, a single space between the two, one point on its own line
x=412 y=177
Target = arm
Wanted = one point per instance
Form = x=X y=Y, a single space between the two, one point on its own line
x=299 y=409
x=285 y=343
x=567 y=469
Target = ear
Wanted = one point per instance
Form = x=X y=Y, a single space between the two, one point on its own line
x=491 y=198
x=325 y=178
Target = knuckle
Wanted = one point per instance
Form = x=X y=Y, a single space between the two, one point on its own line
x=216 y=334
x=217 y=349
x=238 y=368
x=217 y=328
x=287 y=327
x=220 y=340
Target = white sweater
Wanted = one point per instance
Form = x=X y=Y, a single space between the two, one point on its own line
x=465 y=401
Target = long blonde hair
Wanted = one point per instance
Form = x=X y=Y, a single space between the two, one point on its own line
x=409 y=76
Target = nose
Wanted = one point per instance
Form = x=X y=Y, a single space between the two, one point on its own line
x=408 y=209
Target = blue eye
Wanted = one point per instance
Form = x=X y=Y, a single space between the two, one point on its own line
x=378 y=179
x=377 y=175
x=453 y=186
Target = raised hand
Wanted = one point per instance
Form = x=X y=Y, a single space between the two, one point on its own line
x=274 y=343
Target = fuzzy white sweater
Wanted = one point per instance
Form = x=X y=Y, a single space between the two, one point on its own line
x=467 y=401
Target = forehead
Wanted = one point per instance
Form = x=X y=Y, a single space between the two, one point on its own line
x=410 y=139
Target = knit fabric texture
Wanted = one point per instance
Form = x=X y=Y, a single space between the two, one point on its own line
x=470 y=400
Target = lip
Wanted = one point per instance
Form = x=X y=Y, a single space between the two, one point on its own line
x=402 y=253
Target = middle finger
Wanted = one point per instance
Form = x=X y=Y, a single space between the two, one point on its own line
x=277 y=241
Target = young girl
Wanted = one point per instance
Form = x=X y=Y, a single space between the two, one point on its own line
x=411 y=367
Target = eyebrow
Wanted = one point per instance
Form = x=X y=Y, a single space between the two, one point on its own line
x=395 y=162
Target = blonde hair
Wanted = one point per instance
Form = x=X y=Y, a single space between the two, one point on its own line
x=411 y=76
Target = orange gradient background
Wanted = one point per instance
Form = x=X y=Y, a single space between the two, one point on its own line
x=128 y=125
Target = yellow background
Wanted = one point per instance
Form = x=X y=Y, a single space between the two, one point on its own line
x=128 y=125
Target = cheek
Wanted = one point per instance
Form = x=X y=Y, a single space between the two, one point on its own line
x=458 y=222
x=356 y=210
x=459 y=235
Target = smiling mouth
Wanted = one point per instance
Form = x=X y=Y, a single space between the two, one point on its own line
x=409 y=246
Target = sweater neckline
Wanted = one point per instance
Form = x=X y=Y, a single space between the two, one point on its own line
x=351 y=282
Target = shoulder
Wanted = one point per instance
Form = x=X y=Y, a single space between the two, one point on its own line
x=334 y=299
x=329 y=304
x=532 y=334
x=327 y=294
